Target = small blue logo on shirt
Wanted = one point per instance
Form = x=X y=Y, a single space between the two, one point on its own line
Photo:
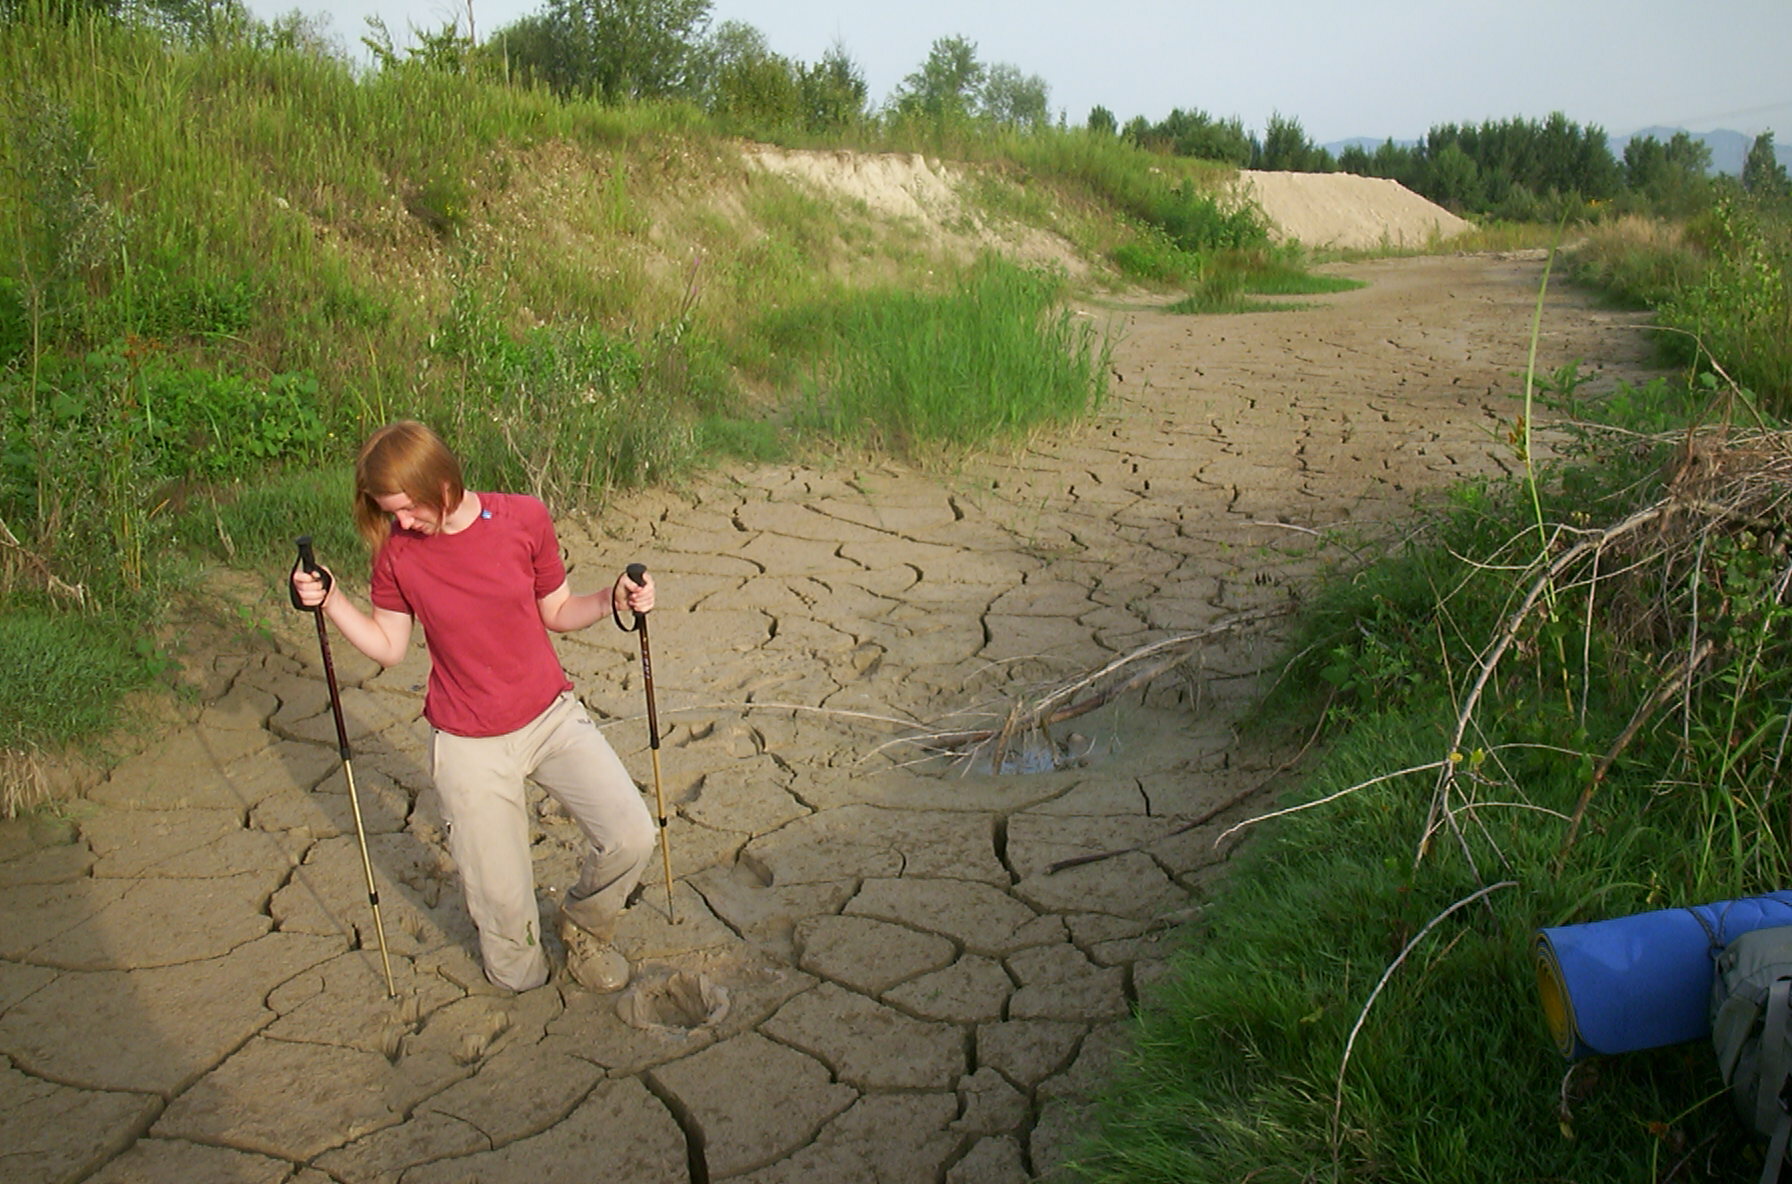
x=485 y=513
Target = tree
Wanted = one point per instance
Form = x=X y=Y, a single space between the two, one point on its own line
x=1015 y=99
x=1673 y=178
x=614 y=49
x=1102 y=121
x=444 y=51
x=1285 y=148
x=1762 y=173
x=833 y=91
x=1354 y=158
x=948 y=85
x=739 y=76
x=1198 y=134
x=1454 y=179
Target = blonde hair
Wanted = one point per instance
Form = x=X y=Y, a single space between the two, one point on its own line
x=403 y=457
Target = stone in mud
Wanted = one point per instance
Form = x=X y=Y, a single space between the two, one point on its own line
x=1127 y=885
x=1059 y=983
x=364 y=714
x=989 y=1104
x=523 y=1089
x=764 y=915
x=991 y=1161
x=1026 y=1052
x=857 y=841
x=139 y=923
x=297 y=1101
x=153 y=1030
x=751 y=796
x=61 y=863
x=188 y=768
x=152 y=1160
x=194 y=844
x=882 y=1137
x=383 y=1156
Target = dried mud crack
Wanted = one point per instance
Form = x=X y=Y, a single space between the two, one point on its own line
x=906 y=969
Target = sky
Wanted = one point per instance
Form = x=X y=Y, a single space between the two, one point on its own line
x=1343 y=68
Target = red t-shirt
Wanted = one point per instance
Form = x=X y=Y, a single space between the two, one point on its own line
x=492 y=665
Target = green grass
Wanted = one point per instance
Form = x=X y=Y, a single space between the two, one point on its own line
x=989 y=361
x=1721 y=284
x=1453 y=1076
x=66 y=675
x=1232 y=282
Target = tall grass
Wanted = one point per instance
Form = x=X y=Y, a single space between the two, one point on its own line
x=988 y=360
x=1721 y=284
x=1237 y=281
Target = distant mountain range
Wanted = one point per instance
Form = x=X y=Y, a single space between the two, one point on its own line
x=1728 y=149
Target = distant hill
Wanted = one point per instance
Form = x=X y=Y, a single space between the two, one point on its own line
x=1728 y=149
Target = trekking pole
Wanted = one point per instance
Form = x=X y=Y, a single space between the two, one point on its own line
x=636 y=571
x=307 y=564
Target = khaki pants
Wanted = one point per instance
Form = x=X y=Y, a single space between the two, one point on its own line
x=481 y=783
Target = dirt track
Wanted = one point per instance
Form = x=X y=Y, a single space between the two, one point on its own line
x=187 y=988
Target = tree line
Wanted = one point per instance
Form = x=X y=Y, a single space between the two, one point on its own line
x=631 y=50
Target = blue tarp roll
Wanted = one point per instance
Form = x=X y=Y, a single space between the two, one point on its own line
x=1642 y=981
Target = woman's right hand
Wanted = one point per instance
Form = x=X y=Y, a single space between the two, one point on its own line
x=310 y=587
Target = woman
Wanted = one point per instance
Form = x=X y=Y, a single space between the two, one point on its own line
x=481 y=572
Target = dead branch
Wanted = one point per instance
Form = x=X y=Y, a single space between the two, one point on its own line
x=1103 y=686
x=51 y=582
x=1508 y=634
x=1363 y=1016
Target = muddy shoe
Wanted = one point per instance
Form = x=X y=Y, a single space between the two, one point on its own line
x=594 y=964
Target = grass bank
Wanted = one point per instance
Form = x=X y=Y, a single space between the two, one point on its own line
x=1557 y=702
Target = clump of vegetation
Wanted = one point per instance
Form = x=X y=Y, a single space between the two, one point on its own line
x=1238 y=281
x=987 y=362
x=1721 y=283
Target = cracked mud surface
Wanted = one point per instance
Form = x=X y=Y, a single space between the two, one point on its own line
x=874 y=976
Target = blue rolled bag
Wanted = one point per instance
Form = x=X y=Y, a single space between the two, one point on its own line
x=1643 y=981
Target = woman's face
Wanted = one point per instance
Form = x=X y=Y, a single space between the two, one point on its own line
x=422 y=519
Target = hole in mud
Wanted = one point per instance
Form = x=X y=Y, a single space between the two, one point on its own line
x=682 y=1001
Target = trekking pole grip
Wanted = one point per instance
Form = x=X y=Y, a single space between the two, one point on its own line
x=636 y=572
x=307 y=563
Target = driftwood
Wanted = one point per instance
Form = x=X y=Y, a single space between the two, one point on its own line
x=1084 y=693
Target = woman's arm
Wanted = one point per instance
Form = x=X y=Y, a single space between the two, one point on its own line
x=563 y=612
x=383 y=636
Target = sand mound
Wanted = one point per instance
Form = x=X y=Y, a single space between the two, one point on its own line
x=908 y=189
x=1317 y=209
x=1345 y=210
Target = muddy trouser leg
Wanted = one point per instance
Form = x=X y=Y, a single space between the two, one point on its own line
x=579 y=768
x=480 y=780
